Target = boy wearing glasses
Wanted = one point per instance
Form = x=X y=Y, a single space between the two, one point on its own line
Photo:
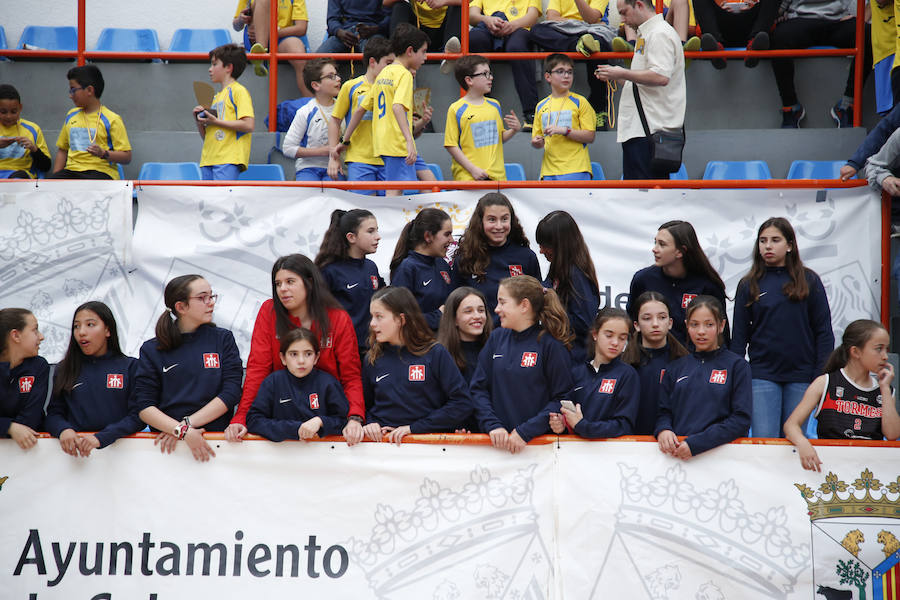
x=93 y=138
x=476 y=128
x=227 y=127
x=307 y=137
x=564 y=124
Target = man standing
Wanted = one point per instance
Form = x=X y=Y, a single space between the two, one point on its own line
x=658 y=71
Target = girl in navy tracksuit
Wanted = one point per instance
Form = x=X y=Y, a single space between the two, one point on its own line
x=419 y=264
x=465 y=328
x=298 y=402
x=854 y=398
x=492 y=248
x=572 y=275
x=680 y=272
x=607 y=389
x=189 y=375
x=780 y=311
x=409 y=380
x=524 y=370
x=93 y=389
x=706 y=395
x=351 y=277
x=24 y=377
x=651 y=348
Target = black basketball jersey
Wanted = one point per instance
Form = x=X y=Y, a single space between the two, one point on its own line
x=847 y=411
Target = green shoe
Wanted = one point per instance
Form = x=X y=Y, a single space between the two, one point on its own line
x=259 y=67
x=621 y=45
x=587 y=45
x=692 y=45
x=603 y=121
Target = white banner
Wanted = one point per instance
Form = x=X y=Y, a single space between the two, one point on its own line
x=63 y=243
x=233 y=235
x=296 y=520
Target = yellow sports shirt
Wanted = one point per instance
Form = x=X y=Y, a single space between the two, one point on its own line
x=288 y=11
x=568 y=10
x=348 y=101
x=477 y=129
x=226 y=146
x=394 y=85
x=15 y=157
x=562 y=155
x=429 y=17
x=104 y=128
x=513 y=9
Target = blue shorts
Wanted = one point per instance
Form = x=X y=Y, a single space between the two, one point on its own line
x=396 y=169
x=357 y=171
x=220 y=172
x=248 y=44
x=420 y=163
x=314 y=174
x=583 y=176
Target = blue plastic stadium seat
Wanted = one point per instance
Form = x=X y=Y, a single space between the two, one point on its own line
x=198 y=40
x=515 y=172
x=49 y=38
x=815 y=169
x=436 y=169
x=597 y=172
x=179 y=171
x=737 y=169
x=121 y=170
x=3 y=45
x=262 y=173
x=305 y=41
x=681 y=173
x=114 y=39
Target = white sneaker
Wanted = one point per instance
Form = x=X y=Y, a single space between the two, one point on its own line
x=452 y=46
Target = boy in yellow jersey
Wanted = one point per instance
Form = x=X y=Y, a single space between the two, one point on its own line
x=361 y=162
x=291 y=23
x=226 y=134
x=391 y=101
x=476 y=128
x=564 y=124
x=23 y=151
x=93 y=138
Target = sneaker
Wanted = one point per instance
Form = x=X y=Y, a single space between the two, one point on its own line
x=620 y=44
x=259 y=66
x=528 y=122
x=843 y=117
x=895 y=230
x=760 y=41
x=692 y=45
x=603 y=121
x=587 y=45
x=708 y=43
x=791 y=116
x=451 y=47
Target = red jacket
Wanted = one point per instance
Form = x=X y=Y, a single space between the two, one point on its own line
x=339 y=358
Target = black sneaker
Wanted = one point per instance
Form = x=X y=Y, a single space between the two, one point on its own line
x=843 y=117
x=791 y=116
x=710 y=44
x=760 y=41
x=602 y=121
x=527 y=122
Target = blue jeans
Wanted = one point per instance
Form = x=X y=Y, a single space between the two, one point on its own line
x=220 y=172
x=773 y=403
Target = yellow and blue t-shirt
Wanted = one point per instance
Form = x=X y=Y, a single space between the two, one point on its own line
x=477 y=129
x=561 y=154
x=348 y=101
x=15 y=157
x=104 y=128
x=513 y=9
x=568 y=10
x=226 y=146
x=394 y=85
x=288 y=11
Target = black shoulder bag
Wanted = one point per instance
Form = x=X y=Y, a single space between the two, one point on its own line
x=666 y=146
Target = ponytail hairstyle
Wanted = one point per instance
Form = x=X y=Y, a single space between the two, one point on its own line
x=415 y=335
x=11 y=319
x=297 y=335
x=168 y=336
x=69 y=368
x=559 y=232
x=715 y=307
x=335 y=246
x=608 y=314
x=548 y=310
x=318 y=298
x=635 y=354
x=692 y=256
x=797 y=288
x=448 y=333
x=429 y=220
x=858 y=333
x=472 y=256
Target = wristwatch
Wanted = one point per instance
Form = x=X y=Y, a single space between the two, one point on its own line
x=181 y=429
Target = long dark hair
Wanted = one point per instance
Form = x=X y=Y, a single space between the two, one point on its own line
x=858 y=333
x=429 y=220
x=448 y=332
x=472 y=256
x=714 y=306
x=168 y=336
x=11 y=319
x=69 y=368
x=335 y=245
x=548 y=310
x=635 y=354
x=318 y=298
x=415 y=334
x=692 y=255
x=603 y=315
x=797 y=288
x=559 y=232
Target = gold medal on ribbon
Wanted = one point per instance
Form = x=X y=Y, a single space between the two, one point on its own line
x=514 y=11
